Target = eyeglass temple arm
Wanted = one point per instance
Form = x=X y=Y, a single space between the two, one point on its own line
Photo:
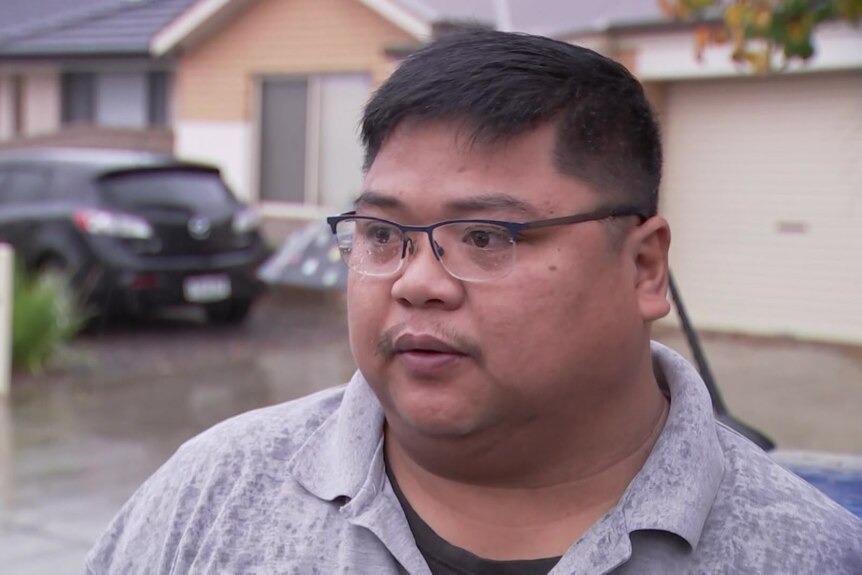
x=601 y=214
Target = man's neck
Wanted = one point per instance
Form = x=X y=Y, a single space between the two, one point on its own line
x=545 y=511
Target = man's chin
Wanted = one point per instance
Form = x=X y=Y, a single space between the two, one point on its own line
x=435 y=420
x=445 y=407
x=435 y=429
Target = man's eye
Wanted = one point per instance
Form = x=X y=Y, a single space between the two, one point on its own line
x=487 y=238
x=379 y=234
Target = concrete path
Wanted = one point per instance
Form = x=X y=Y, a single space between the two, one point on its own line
x=803 y=395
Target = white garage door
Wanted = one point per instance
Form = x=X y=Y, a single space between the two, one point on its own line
x=763 y=190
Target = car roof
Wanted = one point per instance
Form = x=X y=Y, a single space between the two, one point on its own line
x=97 y=161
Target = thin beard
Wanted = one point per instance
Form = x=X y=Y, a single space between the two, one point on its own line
x=386 y=343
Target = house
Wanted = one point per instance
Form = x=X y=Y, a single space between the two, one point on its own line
x=272 y=89
x=82 y=73
x=762 y=182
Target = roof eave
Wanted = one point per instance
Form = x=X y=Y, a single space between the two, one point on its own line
x=632 y=27
x=414 y=25
x=193 y=23
x=60 y=54
x=205 y=16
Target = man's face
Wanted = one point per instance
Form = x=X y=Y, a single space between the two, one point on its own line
x=453 y=358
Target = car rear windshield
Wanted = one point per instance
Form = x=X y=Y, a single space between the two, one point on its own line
x=165 y=187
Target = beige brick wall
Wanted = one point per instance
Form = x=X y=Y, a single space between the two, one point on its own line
x=216 y=78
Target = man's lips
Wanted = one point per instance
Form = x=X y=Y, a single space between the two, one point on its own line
x=426 y=356
x=411 y=343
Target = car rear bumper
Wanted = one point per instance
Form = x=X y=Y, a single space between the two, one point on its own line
x=146 y=283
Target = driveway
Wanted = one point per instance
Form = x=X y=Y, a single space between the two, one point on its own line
x=75 y=444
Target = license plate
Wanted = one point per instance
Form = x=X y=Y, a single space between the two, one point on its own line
x=202 y=289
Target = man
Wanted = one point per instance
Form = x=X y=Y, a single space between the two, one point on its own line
x=509 y=414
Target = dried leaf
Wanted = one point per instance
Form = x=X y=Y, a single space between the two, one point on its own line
x=701 y=40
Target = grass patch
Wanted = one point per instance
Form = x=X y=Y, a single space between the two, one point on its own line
x=45 y=317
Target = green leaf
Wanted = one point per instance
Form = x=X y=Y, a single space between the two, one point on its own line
x=44 y=317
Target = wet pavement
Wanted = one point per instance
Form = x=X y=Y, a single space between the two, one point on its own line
x=75 y=444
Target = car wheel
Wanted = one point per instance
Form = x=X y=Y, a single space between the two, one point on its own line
x=228 y=312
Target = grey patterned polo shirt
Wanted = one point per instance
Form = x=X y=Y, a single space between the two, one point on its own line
x=301 y=488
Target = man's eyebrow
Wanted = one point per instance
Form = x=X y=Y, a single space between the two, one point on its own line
x=377 y=200
x=460 y=206
x=494 y=201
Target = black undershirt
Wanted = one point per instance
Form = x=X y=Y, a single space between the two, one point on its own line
x=444 y=558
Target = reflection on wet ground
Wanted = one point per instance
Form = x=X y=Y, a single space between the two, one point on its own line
x=74 y=446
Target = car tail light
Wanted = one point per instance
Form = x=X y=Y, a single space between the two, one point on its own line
x=144 y=281
x=248 y=220
x=105 y=223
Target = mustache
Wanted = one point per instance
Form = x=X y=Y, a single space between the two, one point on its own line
x=386 y=342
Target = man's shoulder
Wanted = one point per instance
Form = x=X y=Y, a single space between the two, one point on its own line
x=232 y=473
x=277 y=430
x=782 y=518
x=755 y=481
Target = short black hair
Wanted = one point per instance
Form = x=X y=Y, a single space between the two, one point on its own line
x=503 y=84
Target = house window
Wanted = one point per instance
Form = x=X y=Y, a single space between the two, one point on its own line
x=157 y=98
x=18 y=101
x=284 y=120
x=309 y=128
x=78 y=97
x=121 y=99
x=116 y=99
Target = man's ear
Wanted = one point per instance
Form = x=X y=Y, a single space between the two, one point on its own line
x=649 y=245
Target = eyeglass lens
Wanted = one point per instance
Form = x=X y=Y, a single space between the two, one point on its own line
x=467 y=250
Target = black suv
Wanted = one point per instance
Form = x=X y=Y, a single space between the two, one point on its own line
x=132 y=231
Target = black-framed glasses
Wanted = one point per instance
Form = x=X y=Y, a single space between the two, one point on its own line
x=470 y=250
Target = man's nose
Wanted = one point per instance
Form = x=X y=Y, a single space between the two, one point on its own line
x=410 y=248
x=419 y=248
x=423 y=280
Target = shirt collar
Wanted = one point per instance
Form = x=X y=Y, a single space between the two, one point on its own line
x=340 y=457
x=343 y=458
x=677 y=486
